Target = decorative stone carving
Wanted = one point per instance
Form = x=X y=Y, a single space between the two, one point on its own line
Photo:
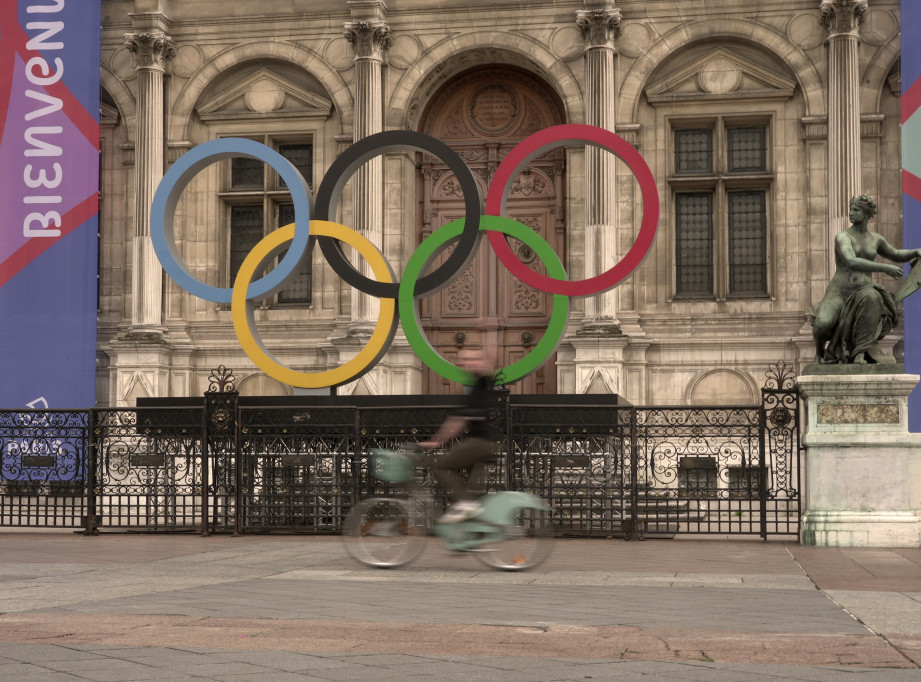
x=635 y=40
x=720 y=72
x=843 y=16
x=493 y=109
x=492 y=103
x=460 y=293
x=450 y=188
x=719 y=76
x=526 y=299
x=803 y=30
x=263 y=92
x=599 y=27
x=152 y=50
x=528 y=184
x=264 y=96
x=369 y=39
x=472 y=155
x=878 y=413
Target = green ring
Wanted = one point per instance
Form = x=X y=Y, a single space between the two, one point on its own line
x=429 y=249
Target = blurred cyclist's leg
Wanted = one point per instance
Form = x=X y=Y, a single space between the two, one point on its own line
x=448 y=474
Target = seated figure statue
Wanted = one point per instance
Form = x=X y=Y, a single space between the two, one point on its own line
x=856 y=313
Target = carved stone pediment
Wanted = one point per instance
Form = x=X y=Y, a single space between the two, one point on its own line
x=720 y=74
x=260 y=93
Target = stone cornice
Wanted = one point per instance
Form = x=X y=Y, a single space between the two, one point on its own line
x=843 y=17
x=599 y=27
x=370 y=39
x=151 y=49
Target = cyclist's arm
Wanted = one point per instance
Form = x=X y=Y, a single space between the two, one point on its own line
x=451 y=427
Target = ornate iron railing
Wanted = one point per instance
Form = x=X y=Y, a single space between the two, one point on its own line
x=236 y=464
x=43 y=468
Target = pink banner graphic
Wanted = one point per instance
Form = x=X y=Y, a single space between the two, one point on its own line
x=49 y=170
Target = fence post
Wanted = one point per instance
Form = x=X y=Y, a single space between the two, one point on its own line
x=219 y=433
x=358 y=482
x=763 y=438
x=505 y=402
x=781 y=442
x=91 y=449
x=237 y=473
x=635 y=532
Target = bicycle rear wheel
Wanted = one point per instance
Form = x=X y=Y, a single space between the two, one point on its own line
x=384 y=532
x=527 y=544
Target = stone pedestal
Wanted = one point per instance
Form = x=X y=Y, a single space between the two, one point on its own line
x=862 y=464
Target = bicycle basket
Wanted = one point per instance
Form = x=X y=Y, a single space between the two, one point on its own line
x=392 y=466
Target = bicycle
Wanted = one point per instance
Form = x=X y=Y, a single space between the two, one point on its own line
x=512 y=532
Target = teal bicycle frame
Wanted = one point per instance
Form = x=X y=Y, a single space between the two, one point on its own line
x=512 y=531
x=496 y=522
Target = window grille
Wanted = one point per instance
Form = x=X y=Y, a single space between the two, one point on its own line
x=697 y=477
x=744 y=483
x=747 y=150
x=298 y=289
x=246 y=173
x=693 y=151
x=301 y=157
x=747 y=243
x=694 y=245
x=245 y=233
x=249 y=220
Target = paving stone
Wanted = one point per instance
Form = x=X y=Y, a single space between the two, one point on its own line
x=280 y=608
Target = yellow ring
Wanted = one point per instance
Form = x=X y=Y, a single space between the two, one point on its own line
x=244 y=322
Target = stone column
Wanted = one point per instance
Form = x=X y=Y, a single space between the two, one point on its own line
x=592 y=359
x=600 y=28
x=842 y=19
x=152 y=50
x=370 y=37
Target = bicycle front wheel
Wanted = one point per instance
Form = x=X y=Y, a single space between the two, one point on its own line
x=384 y=532
x=526 y=544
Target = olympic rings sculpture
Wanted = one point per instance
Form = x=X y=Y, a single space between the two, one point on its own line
x=399 y=299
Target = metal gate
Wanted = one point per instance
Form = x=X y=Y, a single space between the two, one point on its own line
x=232 y=464
x=637 y=471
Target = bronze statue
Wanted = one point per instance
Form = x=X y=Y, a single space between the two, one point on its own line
x=856 y=313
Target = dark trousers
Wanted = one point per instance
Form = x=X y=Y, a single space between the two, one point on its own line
x=465 y=455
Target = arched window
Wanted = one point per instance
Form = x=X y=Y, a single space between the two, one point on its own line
x=723 y=111
x=279 y=106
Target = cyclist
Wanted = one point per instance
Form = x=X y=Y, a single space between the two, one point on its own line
x=479 y=445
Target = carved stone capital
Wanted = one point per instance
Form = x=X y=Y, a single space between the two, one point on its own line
x=843 y=16
x=599 y=27
x=369 y=38
x=151 y=49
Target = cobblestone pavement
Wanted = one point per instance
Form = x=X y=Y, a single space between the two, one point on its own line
x=275 y=608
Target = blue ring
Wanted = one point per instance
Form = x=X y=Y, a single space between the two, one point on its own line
x=166 y=198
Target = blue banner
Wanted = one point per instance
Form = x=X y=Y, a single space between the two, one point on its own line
x=911 y=188
x=49 y=172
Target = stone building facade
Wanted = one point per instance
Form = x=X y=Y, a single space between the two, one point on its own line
x=758 y=119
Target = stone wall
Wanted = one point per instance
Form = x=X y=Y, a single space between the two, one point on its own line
x=287 y=75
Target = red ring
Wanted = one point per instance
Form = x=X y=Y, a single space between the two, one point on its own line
x=537 y=144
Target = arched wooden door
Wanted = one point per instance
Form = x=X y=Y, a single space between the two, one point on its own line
x=482 y=114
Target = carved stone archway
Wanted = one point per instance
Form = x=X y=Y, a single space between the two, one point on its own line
x=482 y=114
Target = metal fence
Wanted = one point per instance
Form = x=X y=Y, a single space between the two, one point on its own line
x=232 y=464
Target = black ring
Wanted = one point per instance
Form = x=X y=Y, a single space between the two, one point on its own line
x=367 y=148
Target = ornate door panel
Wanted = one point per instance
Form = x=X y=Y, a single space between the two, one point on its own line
x=483 y=115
